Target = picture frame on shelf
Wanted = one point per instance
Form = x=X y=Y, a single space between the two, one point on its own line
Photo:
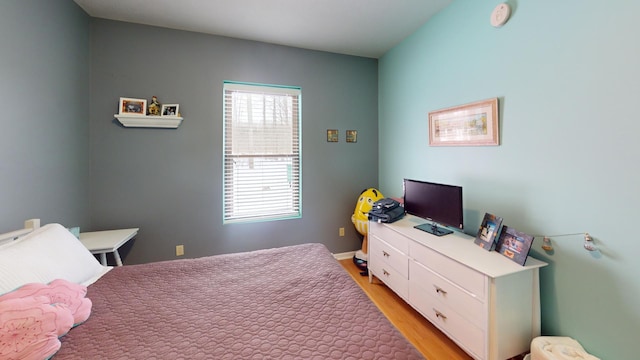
x=488 y=232
x=352 y=136
x=514 y=244
x=132 y=106
x=473 y=124
x=170 y=110
x=332 y=135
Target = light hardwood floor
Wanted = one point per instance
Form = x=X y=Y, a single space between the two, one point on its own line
x=430 y=341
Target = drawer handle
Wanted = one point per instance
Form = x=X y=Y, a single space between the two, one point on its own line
x=440 y=315
x=385 y=272
x=385 y=254
x=440 y=291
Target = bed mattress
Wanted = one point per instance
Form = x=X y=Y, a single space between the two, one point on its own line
x=294 y=302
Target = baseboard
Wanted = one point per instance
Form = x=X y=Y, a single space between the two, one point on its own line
x=344 y=255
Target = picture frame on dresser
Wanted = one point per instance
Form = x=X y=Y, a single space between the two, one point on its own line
x=488 y=232
x=514 y=244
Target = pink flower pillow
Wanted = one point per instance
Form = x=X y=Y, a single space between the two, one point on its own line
x=30 y=327
x=59 y=291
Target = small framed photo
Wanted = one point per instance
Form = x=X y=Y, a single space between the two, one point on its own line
x=332 y=135
x=352 y=136
x=514 y=244
x=488 y=232
x=132 y=106
x=169 y=110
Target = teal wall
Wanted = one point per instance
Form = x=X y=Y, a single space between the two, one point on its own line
x=567 y=77
x=44 y=127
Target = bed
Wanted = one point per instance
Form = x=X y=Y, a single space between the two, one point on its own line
x=294 y=302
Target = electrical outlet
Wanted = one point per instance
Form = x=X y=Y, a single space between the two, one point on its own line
x=179 y=250
x=341 y=231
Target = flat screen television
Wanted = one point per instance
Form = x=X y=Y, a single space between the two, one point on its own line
x=439 y=203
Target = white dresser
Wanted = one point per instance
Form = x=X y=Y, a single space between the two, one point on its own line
x=486 y=303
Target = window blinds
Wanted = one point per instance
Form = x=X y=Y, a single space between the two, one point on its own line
x=261 y=152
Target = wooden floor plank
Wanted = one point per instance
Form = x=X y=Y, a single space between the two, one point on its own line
x=431 y=342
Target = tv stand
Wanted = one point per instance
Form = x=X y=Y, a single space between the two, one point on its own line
x=434 y=229
x=483 y=301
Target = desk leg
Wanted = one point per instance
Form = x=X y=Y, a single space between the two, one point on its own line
x=103 y=258
x=117 y=256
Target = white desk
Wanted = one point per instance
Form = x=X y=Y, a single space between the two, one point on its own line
x=103 y=242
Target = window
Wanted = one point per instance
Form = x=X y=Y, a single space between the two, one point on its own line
x=261 y=152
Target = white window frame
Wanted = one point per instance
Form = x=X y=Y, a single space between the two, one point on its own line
x=262 y=155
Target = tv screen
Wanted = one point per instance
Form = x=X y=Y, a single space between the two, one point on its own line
x=439 y=203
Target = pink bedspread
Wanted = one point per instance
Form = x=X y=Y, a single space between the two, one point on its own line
x=293 y=302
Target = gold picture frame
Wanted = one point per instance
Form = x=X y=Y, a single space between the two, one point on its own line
x=352 y=136
x=332 y=135
x=474 y=124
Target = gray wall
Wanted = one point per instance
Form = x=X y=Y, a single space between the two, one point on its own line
x=169 y=182
x=44 y=86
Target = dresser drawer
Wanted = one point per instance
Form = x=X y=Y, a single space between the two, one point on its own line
x=466 y=278
x=425 y=280
x=396 y=240
x=389 y=256
x=464 y=333
x=387 y=274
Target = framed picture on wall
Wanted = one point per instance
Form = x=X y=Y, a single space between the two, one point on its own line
x=352 y=136
x=170 y=110
x=132 y=106
x=332 y=135
x=474 y=124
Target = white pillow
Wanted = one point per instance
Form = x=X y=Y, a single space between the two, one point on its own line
x=48 y=253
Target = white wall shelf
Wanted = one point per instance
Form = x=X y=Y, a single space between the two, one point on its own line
x=170 y=122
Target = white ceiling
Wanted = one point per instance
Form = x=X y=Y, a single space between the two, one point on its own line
x=366 y=28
